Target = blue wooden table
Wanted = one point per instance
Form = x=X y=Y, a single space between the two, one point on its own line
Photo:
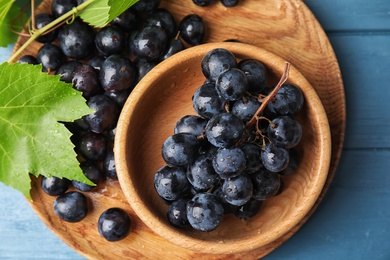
x=353 y=220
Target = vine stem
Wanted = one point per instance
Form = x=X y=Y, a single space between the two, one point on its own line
x=271 y=95
x=39 y=32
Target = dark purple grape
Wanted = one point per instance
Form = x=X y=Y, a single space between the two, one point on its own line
x=229 y=163
x=248 y=210
x=28 y=59
x=288 y=101
x=238 y=190
x=174 y=46
x=191 y=124
x=177 y=213
x=128 y=20
x=86 y=80
x=256 y=73
x=66 y=70
x=224 y=130
x=142 y=67
x=41 y=20
x=192 y=29
x=92 y=172
x=105 y=115
x=119 y=97
x=109 y=168
x=77 y=39
x=164 y=19
x=171 y=183
x=180 y=149
x=54 y=186
x=201 y=173
x=245 y=108
x=117 y=73
x=150 y=43
x=114 y=224
x=275 y=159
x=230 y=3
x=202 y=2
x=252 y=154
x=51 y=57
x=61 y=7
x=266 y=184
x=293 y=162
x=207 y=102
x=285 y=132
x=92 y=146
x=71 y=206
x=204 y=212
x=110 y=40
x=216 y=61
x=96 y=61
x=146 y=6
x=227 y=207
x=231 y=84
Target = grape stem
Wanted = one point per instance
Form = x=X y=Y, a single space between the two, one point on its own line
x=36 y=33
x=270 y=96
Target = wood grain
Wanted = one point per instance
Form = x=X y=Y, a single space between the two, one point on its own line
x=288 y=29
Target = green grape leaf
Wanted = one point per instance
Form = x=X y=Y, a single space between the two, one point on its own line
x=32 y=139
x=101 y=12
x=10 y=16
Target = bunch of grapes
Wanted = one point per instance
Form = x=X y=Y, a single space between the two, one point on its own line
x=230 y=156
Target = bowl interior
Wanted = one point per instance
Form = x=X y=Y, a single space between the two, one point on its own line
x=164 y=96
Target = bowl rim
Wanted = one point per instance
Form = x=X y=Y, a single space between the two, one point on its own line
x=135 y=200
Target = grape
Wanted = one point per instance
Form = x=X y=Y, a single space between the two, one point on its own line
x=204 y=212
x=201 y=173
x=224 y=130
x=96 y=61
x=288 y=101
x=61 y=7
x=117 y=73
x=245 y=108
x=29 y=59
x=92 y=172
x=177 y=213
x=229 y=162
x=54 y=186
x=207 y=102
x=128 y=20
x=105 y=115
x=256 y=74
x=180 y=149
x=252 y=155
x=237 y=190
x=164 y=19
x=230 y=3
x=114 y=224
x=150 y=43
x=66 y=70
x=146 y=6
x=92 y=146
x=142 y=67
x=119 y=97
x=110 y=40
x=249 y=209
x=266 y=184
x=275 y=159
x=174 y=46
x=202 y=2
x=284 y=132
x=171 y=183
x=192 y=29
x=71 y=206
x=109 y=168
x=76 y=39
x=231 y=84
x=86 y=79
x=293 y=163
x=41 y=20
x=227 y=207
x=216 y=61
x=191 y=124
x=51 y=57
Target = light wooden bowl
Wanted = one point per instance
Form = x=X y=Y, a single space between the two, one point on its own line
x=147 y=119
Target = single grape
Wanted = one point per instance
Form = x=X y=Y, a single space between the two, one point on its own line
x=71 y=206
x=92 y=172
x=191 y=124
x=202 y=2
x=230 y=3
x=119 y=97
x=177 y=213
x=150 y=43
x=66 y=70
x=252 y=155
x=29 y=59
x=192 y=29
x=86 y=79
x=293 y=162
x=216 y=61
x=128 y=20
x=231 y=84
x=114 y=224
x=146 y=6
x=61 y=7
x=266 y=184
x=229 y=163
x=171 y=183
x=96 y=61
x=238 y=190
x=249 y=209
x=180 y=149
x=92 y=146
x=256 y=73
x=51 y=57
x=54 y=186
x=288 y=101
x=227 y=207
x=204 y=212
x=110 y=40
x=41 y=20
x=285 y=132
x=163 y=18
x=201 y=173
x=142 y=67
x=174 y=46
x=275 y=159
x=109 y=168
x=245 y=108
x=206 y=101
x=224 y=130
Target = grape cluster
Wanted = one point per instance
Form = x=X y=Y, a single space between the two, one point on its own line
x=105 y=65
x=230 y=156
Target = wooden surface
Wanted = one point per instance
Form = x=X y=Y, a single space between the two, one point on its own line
x=352 y=221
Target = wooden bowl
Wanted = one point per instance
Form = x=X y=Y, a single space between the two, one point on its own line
x=161 y=98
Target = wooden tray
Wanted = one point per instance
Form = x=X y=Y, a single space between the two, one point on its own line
x=284 y=27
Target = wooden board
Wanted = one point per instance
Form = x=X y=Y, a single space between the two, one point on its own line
x=288 y=29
